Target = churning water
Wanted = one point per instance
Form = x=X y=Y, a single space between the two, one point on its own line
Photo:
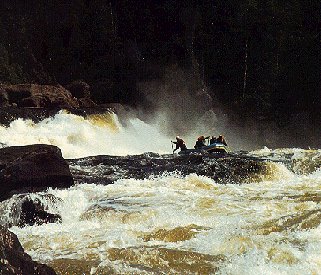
x=76 y=136
x=173 y=224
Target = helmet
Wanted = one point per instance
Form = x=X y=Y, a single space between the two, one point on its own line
x=177 y=137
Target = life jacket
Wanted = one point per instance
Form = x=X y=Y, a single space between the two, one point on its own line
x=180 y=142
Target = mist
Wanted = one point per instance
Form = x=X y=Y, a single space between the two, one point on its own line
x=181 y=104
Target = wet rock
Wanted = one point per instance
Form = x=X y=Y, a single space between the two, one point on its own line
x=223 y=168
x=4 y=99
x=9 y=114
x=13 y=259
x=28 y=209
x=34 y=212
x=85 y=102
x=34 y=95
x=32 y=168
x=79 y=89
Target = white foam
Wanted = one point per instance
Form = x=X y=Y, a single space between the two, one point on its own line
x=80 y=137
x=230 y=219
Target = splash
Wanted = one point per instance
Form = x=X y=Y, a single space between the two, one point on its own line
x=78 y=137
x=300 y=161
x=174 y=224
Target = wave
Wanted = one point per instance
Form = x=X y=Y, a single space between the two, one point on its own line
x=79 y=137
x=136 y=225
x=300 y=161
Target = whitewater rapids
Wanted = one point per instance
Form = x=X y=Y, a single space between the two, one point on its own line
x=172 y=224
x=97 y=134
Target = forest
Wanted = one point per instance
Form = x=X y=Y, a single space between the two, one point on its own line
x=258 y=59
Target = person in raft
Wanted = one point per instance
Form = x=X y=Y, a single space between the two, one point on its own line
x=200 y=142
x=180 y=143
x=213 y=140
x=221 y=139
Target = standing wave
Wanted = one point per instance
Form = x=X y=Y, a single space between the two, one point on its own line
x=174 y=224
x=77 y=136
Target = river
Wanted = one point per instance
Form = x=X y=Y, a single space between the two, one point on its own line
x=170 y=223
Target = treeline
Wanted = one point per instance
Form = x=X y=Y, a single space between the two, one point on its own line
x=262 y=56
x=259 y=58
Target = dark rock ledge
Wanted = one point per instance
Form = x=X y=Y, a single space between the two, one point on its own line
x=13 y=259
x=28 y=169
x=28 y=209
x=32 y=168
x=25 y=169
x=37 y=102
x=231 y=168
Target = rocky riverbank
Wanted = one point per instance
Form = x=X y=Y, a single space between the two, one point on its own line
x=32 y=168
x=13 y=259
x=26 y=169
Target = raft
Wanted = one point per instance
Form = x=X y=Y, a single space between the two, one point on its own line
x=211 y=148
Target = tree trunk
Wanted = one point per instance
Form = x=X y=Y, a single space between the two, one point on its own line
x=245 y=67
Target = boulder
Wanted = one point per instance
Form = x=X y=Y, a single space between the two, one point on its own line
x=85 y=102
x=28 y=209
x=4 y=99
x=13 y=259
x=32 y=168
x=34 y=95
x=79 y=89
x=34 y=212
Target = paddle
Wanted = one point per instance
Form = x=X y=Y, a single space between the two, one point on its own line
x=172 y=147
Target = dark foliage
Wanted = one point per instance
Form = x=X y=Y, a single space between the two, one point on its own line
x=262 y=56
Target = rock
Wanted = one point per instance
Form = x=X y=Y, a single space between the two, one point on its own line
x=225 y=169
x=13 y=259
x=86 y=103
x=4 y=99
x=79 y=89
x=9 y=114
x=33 y=212
x=34 y=95
x=28 y=209
x=33 y=102
x=32 y=168
x=119 y=109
